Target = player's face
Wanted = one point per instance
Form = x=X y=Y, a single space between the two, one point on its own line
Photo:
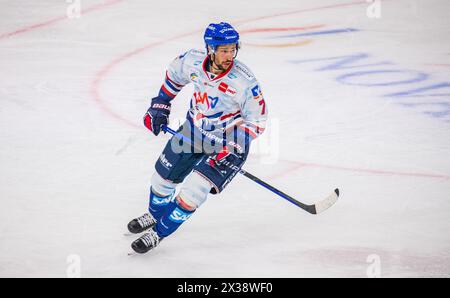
x=224 y=55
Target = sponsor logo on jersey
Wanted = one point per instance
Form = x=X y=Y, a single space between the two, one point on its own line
x=202 y=99
x=231 y=91
x=257 y=94
x=179 y=215
x=165 y=162
x=196 y=63
x=214 y=101
x=231 y=76
x=205 y=102
x=198 y=52
x=244 y=71
x=193 y=76
x=228 y=90
x=223 y=87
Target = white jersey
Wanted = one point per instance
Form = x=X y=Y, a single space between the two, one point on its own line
x=219 y=103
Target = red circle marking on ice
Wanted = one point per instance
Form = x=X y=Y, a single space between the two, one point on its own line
x=106 y=70
x=297 y=165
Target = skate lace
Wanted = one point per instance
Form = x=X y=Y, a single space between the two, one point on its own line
x=146 y=220
x=150 y=239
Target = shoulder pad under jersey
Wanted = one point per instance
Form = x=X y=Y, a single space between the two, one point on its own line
x=242 y=69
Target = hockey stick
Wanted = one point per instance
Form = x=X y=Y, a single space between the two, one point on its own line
x=313 y=209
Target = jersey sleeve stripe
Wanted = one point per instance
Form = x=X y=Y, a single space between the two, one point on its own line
x=167 y=92
x=258 y=129
x=168 y=84
x=172 y=81
x=249 y=131
x=229 y=115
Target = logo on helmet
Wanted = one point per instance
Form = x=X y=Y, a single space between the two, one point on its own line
x=220 y=34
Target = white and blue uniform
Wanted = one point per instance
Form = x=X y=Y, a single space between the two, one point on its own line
x=231 y=101
x=225 y=110
x=219 y=103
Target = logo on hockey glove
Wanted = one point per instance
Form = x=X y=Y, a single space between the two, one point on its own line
x=161 y=106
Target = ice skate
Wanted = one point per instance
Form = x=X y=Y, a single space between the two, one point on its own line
x=147 y=242
x=141 y=224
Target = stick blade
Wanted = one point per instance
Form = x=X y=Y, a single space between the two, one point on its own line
x=328 y=202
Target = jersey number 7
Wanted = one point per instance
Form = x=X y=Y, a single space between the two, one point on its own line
x=263 y=104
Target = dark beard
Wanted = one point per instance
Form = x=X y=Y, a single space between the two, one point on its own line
x=214 y=65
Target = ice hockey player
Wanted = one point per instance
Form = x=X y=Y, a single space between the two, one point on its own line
x=227 y=112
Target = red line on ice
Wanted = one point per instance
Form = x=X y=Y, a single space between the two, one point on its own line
x=101 y=74
x=57 y=19
x=297 y=165
x=438 y=64
x=258 y=30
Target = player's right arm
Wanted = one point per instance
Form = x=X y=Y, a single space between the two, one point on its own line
x=159 y=111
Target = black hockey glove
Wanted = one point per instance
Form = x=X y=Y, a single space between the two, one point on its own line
x=157 y=115
x=225 y=158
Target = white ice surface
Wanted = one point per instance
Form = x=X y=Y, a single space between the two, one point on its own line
x=72 y=175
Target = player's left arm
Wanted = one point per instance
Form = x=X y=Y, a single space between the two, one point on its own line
x=254 y=112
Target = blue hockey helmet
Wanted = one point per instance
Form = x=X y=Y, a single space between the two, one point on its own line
x=220 y=34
